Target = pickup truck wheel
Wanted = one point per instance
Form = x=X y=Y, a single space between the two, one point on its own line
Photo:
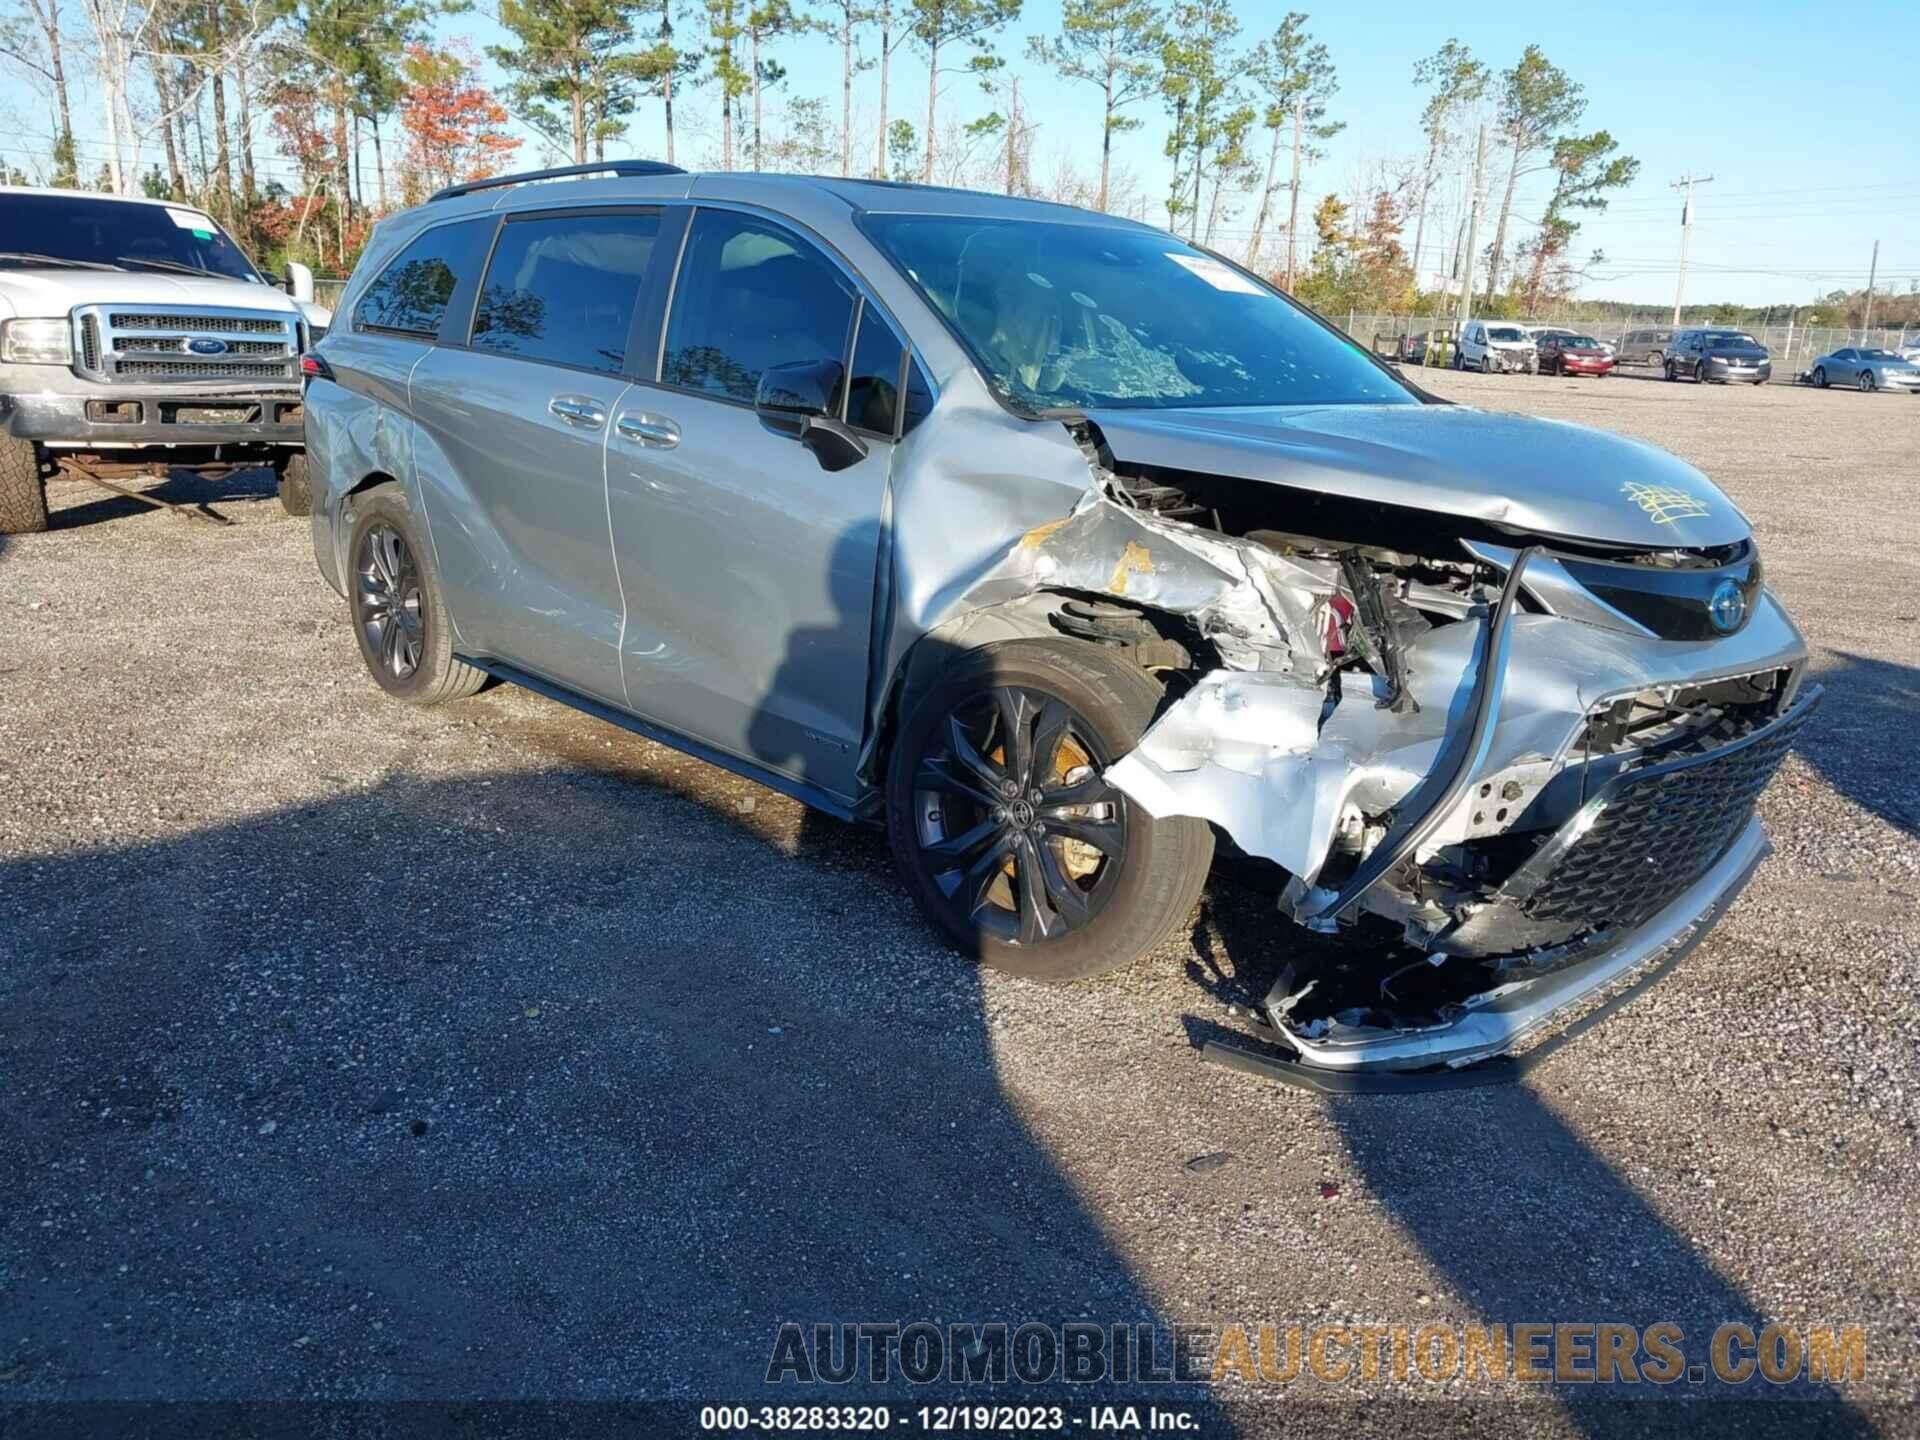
x=399 y=615
x=1005 y=829
x=295 y=483
x=23 y=490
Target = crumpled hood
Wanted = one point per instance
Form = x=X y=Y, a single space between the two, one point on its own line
x=53 y=291
x=1540 y=478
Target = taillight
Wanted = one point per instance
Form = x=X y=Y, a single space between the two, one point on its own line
x=312 y=367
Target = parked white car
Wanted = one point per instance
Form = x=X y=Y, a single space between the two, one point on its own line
x=1494 y=346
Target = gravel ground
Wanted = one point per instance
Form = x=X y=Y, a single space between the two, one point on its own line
x=350 y=1051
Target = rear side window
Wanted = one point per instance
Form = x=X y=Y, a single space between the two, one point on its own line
x=751 y=295
x=410 y=296
x=562 y=288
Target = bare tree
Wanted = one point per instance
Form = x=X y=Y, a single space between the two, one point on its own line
x=42 y=53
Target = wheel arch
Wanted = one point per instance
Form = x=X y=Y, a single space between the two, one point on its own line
x=341 y=521
x=1030 y=616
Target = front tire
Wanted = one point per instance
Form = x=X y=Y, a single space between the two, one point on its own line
x=23 y=489
x=399 y=611
x=1003 y=826
x=1486 y=364
x=295 y=484
x=1820 y=376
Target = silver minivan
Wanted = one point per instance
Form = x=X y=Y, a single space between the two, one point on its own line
x=1066 y=551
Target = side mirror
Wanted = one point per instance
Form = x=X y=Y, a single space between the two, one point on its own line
x=298 y=282
x=799 y=400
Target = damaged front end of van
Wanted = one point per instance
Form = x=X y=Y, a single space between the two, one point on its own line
x=1506 y=726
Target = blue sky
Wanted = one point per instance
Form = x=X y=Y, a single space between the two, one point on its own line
x=1808 y=170
x=1808 y=118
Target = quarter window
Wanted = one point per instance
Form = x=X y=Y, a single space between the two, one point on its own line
x=751 y=295
x=873 y=380
x=411 y=294
x=562 y=288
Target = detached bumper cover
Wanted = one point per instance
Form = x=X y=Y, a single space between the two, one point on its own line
x=165 y=416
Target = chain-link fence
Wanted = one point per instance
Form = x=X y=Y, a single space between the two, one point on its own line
x=327 y=292
x=1794 y=347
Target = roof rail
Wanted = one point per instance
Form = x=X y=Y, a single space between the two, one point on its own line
x=600 y=167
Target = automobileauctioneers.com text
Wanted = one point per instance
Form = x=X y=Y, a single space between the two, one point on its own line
x=1593 y=1352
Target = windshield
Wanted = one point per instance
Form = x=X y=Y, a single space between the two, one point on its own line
x=1504 y=332
x=1064 y=316
x=1580 y=342
x=126 y=236
x=1730 y=341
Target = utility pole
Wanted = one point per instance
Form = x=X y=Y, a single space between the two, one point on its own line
x=1873 y=273
x=1685 y=183
x=1473 y=237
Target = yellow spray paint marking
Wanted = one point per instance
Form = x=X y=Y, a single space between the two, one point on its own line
x=1037 y=536
x=1664 y=503
x=1134 y=560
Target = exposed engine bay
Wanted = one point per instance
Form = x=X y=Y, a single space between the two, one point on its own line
x=1494 y=756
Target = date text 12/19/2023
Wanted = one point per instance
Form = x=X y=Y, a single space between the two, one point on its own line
x=949 y=1419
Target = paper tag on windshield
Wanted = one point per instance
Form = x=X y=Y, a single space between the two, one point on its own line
x=188 y=220
x=1220 y=277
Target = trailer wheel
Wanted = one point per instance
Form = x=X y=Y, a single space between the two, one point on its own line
x=296 y=484
x=23 y=490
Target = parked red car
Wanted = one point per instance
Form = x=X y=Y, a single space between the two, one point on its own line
x=1574 y=355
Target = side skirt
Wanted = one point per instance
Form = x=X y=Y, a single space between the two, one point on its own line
x=806 y=794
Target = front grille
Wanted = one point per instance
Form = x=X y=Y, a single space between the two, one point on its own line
x=1652 y=832
x=202 y=322
x=183 y=369
x=170 y=345
x=161 y=346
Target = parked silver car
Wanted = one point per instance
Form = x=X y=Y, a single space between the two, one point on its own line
x=1866 y=368
x=1061 y=547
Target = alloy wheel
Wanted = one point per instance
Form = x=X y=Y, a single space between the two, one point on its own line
x=1866 y=380
x=1820 y=377
x=392 y=607
x=1016 y=825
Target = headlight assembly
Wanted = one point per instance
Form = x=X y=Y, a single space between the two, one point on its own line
x=36 y=342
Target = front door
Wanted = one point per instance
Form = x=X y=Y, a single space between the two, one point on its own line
x=748 y=569
x=511 y=445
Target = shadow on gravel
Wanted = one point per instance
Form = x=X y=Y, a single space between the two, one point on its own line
x=543 y=1086
x=1862 y=741
x=1525 y=1223
x=181 y=487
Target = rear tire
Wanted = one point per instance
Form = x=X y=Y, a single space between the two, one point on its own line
x=399 y=611
x=1866 y=382
x=1108 y=881
x=23 y=489
x=295 y=484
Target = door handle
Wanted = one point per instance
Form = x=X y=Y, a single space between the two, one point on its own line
x=578 y=410
x=654 y=431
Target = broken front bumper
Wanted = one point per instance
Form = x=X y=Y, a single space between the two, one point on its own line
x=1450 y=1054
x=1619 y=859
